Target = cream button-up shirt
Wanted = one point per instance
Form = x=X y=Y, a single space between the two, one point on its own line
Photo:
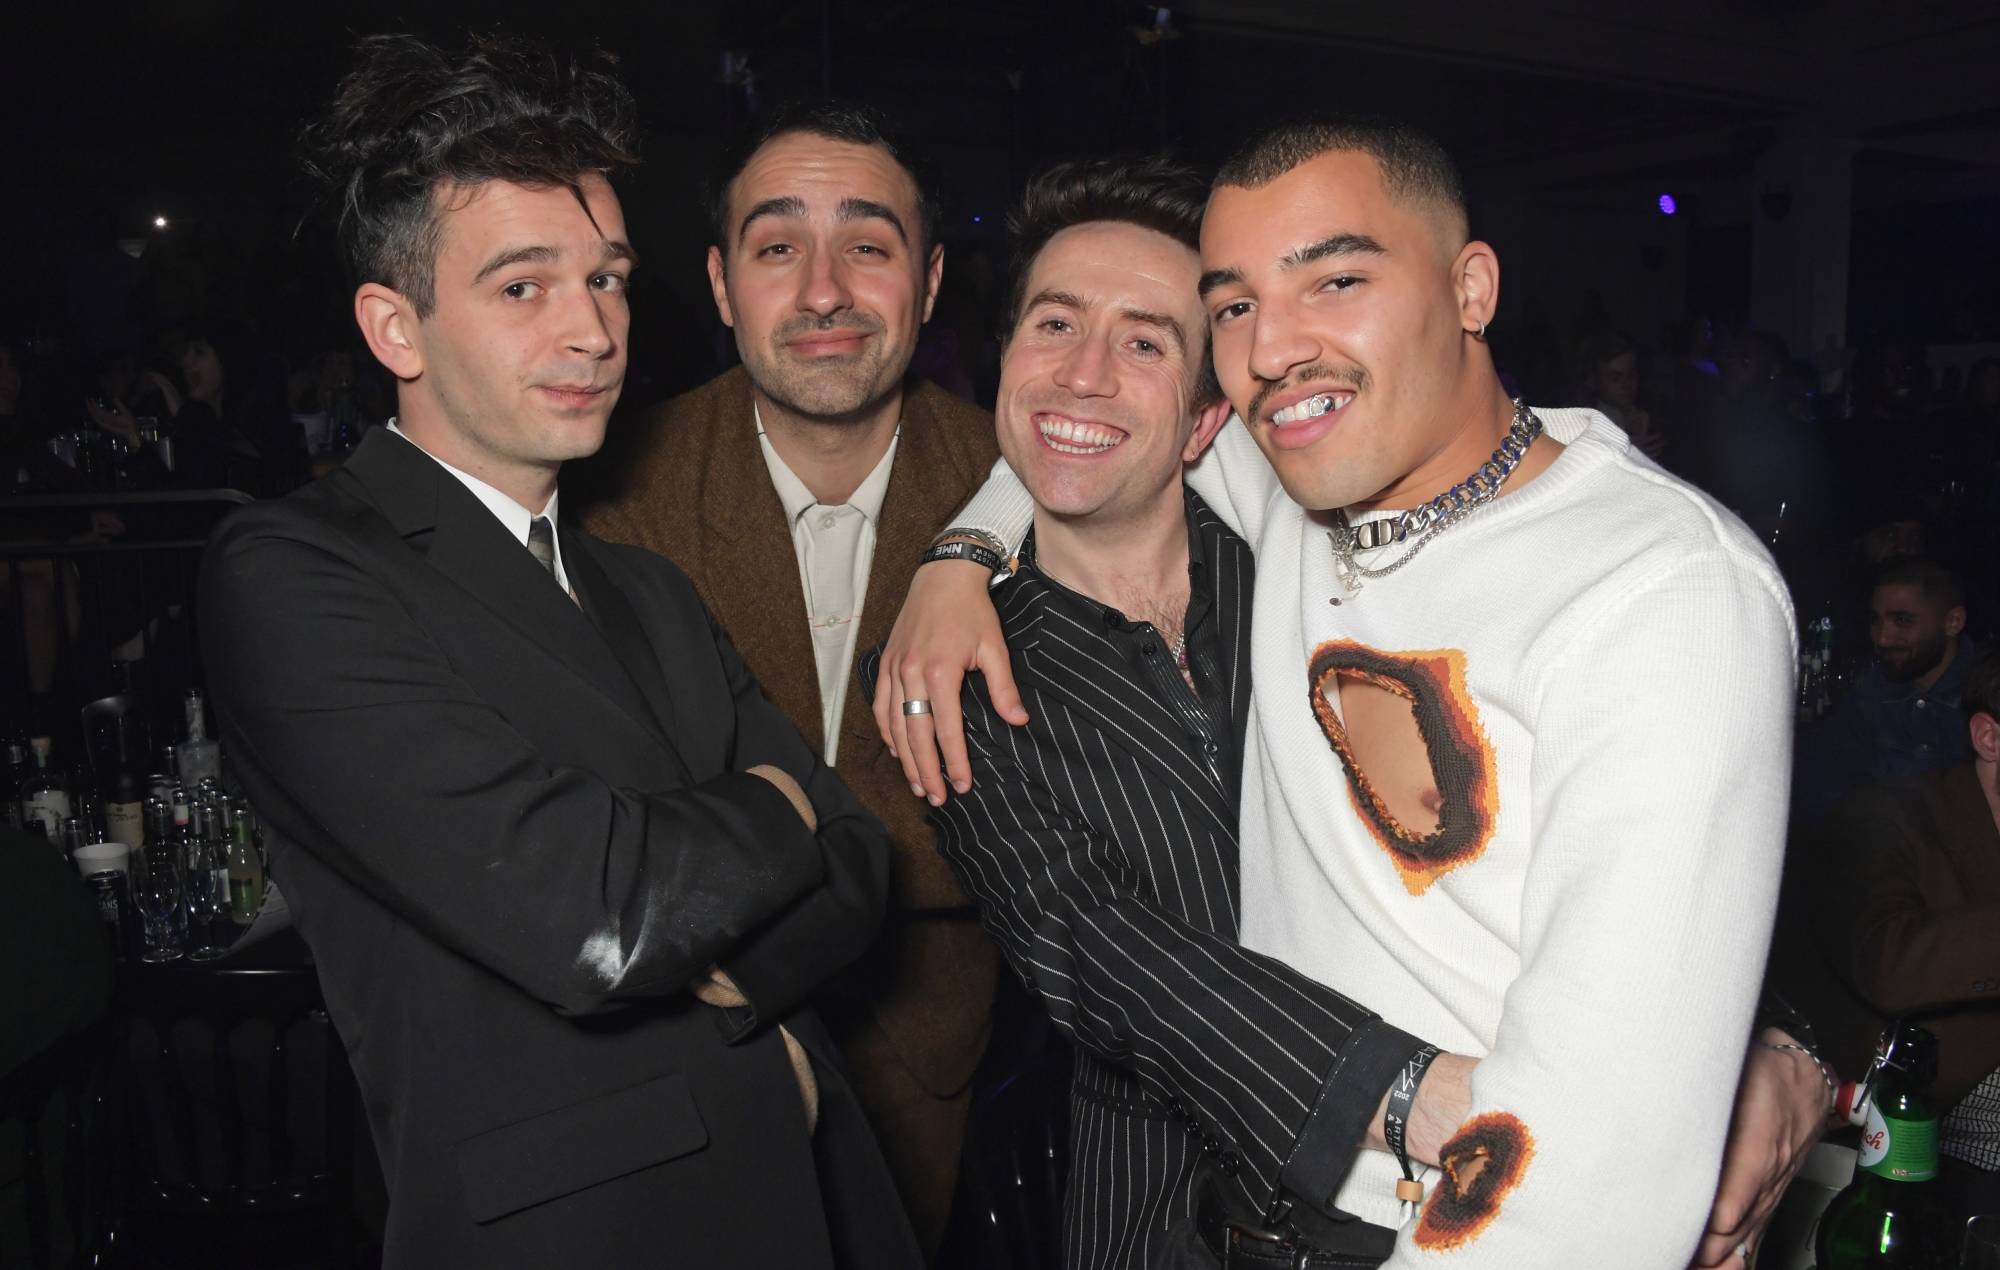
x=835 y=548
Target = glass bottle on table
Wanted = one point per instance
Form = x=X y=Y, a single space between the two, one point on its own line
x=1891 y=1214
x=200 y=758
x=246 y=867
x=20 y=766
x=72 y=837
x=44 y=795
x=124 y=794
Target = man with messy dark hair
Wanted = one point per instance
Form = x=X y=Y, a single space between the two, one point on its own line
x=567 y=876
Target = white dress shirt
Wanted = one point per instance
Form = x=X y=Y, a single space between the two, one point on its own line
x=836 y=548
x=515 y=517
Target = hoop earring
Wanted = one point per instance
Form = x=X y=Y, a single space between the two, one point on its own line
x=1480 y=334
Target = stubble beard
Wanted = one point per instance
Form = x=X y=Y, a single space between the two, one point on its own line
x=836 y=391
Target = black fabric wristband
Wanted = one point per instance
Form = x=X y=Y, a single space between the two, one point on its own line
x=1402 y=1097
x=965 y=551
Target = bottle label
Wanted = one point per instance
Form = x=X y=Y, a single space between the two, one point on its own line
x=50 y=806
x=1900 y=1150
x=126 y=823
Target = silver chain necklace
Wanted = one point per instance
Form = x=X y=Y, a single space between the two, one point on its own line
x=1421 y=523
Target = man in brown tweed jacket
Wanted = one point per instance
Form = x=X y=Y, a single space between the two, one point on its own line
x=798 y=491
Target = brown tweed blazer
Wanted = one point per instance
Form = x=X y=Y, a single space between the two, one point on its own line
x=697 y=491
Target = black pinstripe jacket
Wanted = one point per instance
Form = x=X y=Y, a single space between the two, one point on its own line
x=1100 y=843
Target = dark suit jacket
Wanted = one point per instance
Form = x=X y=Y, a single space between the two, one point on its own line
x=512 y=829
x=698 y=491
x=1101 y=843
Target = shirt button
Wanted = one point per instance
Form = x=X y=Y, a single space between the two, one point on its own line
x=1210 y=748
x=1149 y=648
x=826 y=521
x=1229 y=1163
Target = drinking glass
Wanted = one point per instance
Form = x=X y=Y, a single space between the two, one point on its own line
x=161 y=899
x=208 y=906
x=1982 y=1244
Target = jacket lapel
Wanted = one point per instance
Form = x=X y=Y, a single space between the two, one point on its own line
x=462 y=540
x=1231 y=576
x=608 y=609
x=925 y=488
x=745 y=537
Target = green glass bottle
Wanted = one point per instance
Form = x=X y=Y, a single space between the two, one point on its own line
x=1891 y=1213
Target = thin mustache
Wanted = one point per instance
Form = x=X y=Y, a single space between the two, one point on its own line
x=821 y=326
x=1355 y=379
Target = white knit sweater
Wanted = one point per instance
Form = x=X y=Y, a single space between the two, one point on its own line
x=1602 y=665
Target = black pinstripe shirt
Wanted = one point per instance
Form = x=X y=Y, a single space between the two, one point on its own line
x=1100 y=843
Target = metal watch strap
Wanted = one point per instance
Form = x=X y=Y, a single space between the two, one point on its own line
x=965 y=551
x=984 y=537
x=1396 y=1119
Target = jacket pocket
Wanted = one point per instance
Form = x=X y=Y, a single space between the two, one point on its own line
x=573 y=1148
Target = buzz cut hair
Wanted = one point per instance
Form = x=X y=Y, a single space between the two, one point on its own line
x=1933 y=579
x=1415 y=165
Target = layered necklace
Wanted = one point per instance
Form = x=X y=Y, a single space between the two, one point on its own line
x=1416 y=527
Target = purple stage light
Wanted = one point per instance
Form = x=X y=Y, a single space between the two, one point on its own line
x=1667 y=205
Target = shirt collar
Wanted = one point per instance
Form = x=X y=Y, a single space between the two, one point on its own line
x=1198 y=593
x=509 y=513
x=798 y=500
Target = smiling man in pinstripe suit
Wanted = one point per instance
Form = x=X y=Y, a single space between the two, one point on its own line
x=1100 y=841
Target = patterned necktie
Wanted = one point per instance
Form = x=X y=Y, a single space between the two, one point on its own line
x=542 y=543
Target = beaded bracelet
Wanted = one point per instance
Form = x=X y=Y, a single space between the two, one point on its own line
x=1825 y=1072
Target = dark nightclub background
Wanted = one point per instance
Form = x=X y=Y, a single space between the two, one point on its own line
x=1825 y=170
x=1762 y=235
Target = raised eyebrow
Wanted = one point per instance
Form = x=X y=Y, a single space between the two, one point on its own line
x=1218 y=278
x=783 y=205
x=539 y=254
x=1161 y=320
x=1337 y=245
x=869 y=209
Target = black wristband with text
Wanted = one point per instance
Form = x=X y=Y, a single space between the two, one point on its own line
x=1396 y=1118
x=965 y=551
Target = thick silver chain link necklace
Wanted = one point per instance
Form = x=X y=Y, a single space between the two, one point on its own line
x=1421 y=523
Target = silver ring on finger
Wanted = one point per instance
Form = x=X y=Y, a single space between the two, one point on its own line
x=1743 y=1251
x=916 y=706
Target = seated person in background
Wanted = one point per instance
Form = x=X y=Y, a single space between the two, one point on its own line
x=1904 y=907
x=1901 y=716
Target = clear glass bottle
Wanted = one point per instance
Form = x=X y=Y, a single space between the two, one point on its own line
x=20 y=766
x=44 y=796
x=246 y=867
x=200 y=758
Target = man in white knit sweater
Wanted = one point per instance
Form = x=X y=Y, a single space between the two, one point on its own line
x=1519 y=748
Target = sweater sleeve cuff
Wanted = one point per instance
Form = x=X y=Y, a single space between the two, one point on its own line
x=1337 y=1125
x=1002 y=507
